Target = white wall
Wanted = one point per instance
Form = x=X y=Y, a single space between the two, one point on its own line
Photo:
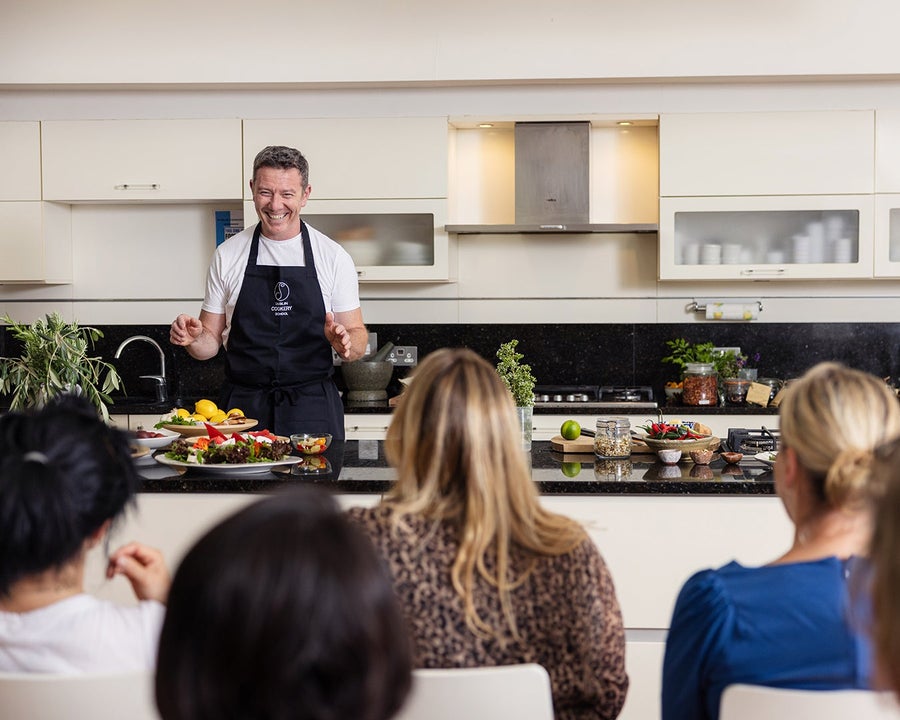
x=284 y=41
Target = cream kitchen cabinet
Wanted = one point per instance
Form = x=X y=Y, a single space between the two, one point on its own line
x=389 y=240
x=751 y=238
x=36 y=243
x=141 y=160
x=766 y=153
x=20 y=171
x=360 y=158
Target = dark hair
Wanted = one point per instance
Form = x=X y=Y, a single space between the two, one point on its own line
x=283 y=610
x=284 y=158
x=63 y=473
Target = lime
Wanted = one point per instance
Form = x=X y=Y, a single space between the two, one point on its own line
x=571 y=469
x=570 y=430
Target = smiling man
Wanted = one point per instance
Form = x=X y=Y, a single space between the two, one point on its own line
x=279 y=296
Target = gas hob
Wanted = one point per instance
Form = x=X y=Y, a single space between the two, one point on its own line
x=594 y=397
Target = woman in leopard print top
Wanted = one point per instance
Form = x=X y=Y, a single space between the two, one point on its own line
x=486 y=576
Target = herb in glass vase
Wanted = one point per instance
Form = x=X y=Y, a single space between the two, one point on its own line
x=518 y=379
x=515 y=374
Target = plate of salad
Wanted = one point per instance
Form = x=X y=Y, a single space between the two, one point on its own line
x=237 y=453
x=767 y=458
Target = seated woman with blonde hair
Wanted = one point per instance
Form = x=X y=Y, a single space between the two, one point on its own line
x=797 y=622
x=486 y=575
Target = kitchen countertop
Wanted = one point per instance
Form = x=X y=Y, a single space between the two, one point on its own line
x=359 y=467
x=145 y=406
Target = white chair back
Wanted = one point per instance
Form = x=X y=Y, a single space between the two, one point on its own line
x=754 y=702
x=68 y=697
x=483 y=693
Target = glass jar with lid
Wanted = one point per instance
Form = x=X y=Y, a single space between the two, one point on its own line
x=701 y=385
x=612 y=438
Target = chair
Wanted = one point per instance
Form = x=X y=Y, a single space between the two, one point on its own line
x=64 y=697
x=754 y=702
x=483 y=693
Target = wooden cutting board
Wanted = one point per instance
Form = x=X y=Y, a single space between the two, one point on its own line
x=581 y=444
x=585 y=444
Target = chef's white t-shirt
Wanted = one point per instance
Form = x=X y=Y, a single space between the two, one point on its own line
x=81 y=634
x=334 y=268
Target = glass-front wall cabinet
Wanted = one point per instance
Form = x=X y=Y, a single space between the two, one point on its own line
x=775 y=237
x=887 y=236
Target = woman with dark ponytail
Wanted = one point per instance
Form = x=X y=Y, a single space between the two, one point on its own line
x=65 y=479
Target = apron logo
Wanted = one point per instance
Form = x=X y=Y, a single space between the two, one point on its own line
x=281 y=293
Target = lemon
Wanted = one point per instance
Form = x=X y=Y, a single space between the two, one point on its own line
x=205 y=407
x=199 y=418
x=181 y=412
x=235 y=411
x=570 y=430
x=217 y=417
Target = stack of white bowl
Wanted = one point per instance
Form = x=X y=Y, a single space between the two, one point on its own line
x=690 y=255
x=731 y=253
x=711 y=254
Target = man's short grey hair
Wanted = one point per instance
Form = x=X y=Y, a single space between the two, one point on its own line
x=283 y=158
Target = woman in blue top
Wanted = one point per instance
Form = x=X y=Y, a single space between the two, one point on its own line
x=795 y=622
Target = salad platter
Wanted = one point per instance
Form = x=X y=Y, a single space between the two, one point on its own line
x=228 y=468
x=235 y=453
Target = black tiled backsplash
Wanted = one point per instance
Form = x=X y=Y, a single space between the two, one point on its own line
x=599 y=354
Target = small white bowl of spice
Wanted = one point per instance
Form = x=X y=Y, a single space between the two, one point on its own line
x=669 y=456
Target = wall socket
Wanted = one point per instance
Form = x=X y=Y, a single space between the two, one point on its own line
x=407 y=355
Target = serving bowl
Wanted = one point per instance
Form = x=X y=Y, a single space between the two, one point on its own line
x=311 y=443
x=708 y=441
x=156 y=442
x=199 y=428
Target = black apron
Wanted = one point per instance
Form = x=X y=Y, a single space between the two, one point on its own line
x=278 y=363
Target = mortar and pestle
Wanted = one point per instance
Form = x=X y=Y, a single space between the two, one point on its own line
x=368 y=378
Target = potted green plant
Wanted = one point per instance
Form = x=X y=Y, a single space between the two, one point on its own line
x=55 y=360
x=518 y=379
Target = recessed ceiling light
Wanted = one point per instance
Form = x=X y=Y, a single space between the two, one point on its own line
x=485 y=125
x=624 y=123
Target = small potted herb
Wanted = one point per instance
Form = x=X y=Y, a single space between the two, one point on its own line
x=518 y=379
x=55 y=360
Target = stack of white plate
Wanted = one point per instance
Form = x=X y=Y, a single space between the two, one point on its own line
x=802 y=248
x=711 y=254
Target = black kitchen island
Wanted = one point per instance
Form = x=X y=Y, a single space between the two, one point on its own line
x=359 y=467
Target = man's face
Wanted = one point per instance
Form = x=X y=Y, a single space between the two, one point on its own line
x=278 y=196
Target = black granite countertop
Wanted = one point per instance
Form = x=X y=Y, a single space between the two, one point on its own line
x=358 y=466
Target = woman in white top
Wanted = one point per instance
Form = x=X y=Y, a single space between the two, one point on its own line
x=65 y=478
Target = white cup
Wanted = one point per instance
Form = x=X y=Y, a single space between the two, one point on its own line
x=843 y=250
x=691 y=254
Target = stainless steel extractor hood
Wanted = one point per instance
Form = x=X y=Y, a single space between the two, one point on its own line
x=552 y=176
x=552 y=173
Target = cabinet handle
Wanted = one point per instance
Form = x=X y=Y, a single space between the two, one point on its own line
x=361 y=273
x=763 y=271
x=137 y=186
